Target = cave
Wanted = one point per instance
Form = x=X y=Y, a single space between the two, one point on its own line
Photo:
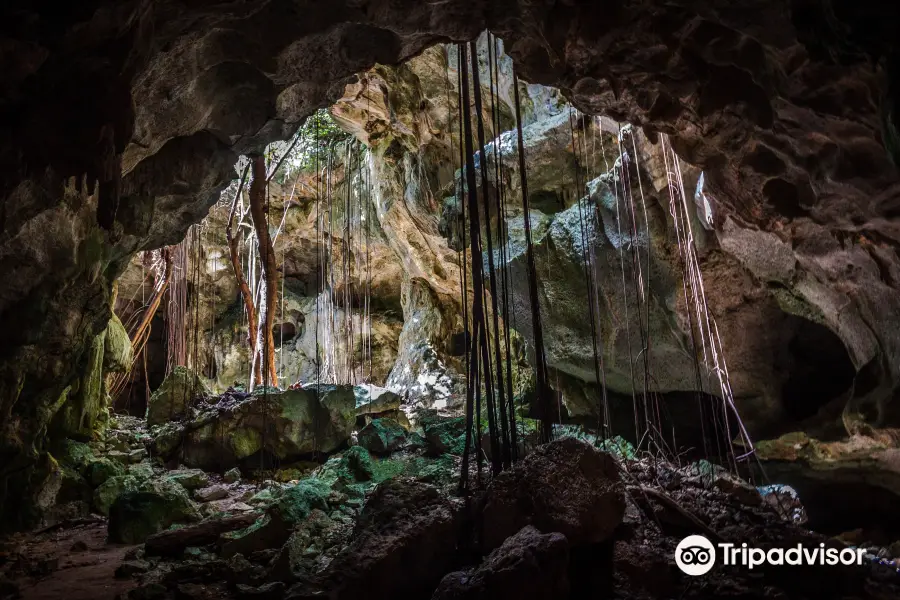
x=818 y=370
x=464 y=299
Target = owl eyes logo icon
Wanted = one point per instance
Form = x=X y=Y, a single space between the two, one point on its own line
x=695 y=555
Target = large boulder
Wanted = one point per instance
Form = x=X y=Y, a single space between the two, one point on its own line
x=189 y=479
x=302 y=553
x=136 y=515
x=286 y=425
x=444 y=436
x=382 y=436
x=172 y=399
x=134 y=479
x=117 y=354
x=528 y=565
x=102 y=469
x=566 y=486
x=404 y=542
x=273 y=529
x=371 y=399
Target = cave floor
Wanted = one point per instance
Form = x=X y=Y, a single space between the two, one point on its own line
x=74 y=562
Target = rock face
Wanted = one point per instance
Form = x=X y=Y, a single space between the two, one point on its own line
x=565 y=486
x=382 y=436
x=529 y=565
x=173 y=398
x=391 y=556
x=790 y=110
x=284 y=425
x=134 y=516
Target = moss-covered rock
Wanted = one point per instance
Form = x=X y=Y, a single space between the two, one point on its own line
x=296 y=502
x=232 y=475
x=100 y=470
x=355 y=465
x=302 y=551
x=166 y=439
x=106 y=494
x=177 y=392
x=371 y=399
x=136 y=515
x=289 y=508
x=189 y=479
x=75 y=454
x=445 y=436
x=382 y=436
x=117 y=355
x=287 y=425
x=85 y=398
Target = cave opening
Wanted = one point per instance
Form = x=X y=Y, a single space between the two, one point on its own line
x=818 y=369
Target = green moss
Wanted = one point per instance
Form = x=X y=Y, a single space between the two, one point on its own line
x=382 y=436
x=795 y=305
x=446 y=436
x=98 y=471
x=617 y=446
x=78 y=414
x=385 y=469
x=135 y=516
x=117 y=353
x=297 y=501
x=177 y=392
x=245 y=442
x=76 y=454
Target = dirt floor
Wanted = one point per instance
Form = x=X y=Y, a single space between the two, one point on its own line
x=74 y=563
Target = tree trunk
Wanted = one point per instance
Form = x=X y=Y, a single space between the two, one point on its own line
x=265 y=340
x=242 y=284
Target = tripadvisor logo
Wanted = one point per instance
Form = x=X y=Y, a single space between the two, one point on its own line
x=696 y=555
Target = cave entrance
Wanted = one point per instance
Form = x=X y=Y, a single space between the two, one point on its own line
x=817 y=367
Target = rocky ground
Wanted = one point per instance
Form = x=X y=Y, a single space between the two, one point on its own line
x=380 y=516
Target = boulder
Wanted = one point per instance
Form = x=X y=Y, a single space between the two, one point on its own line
x=123 y=458
x=232 y=475
x=565 y=486
x=102 y=469
x=117 y=353
x=189 y=479
x=528 y=565
x=382 y=436
x=134 y=516
x=75 y=454
x=213 y=492
x=107 y=493
x=166 y=439
x=286 y=425
x=371 y=399
x=272 y=529
x=445 y=436
x=298 y=557
x=404 y=542
x=172 y=398
x=175 y=541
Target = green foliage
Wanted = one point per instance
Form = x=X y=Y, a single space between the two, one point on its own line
x=318 y=134
x=617 y=446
